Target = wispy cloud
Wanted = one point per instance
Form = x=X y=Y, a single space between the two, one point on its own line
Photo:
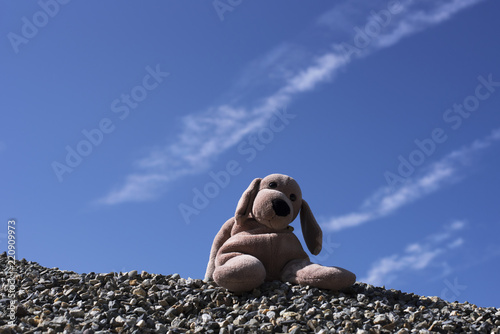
x=385 y=200
x=205 y=135
x=412 y=17
x=416 y=256
x=421 y=15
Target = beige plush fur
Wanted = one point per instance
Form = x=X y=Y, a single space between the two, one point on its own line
x=258 y=245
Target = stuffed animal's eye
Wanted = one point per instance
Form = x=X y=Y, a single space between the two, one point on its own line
x=293 y=197
x=273 y=185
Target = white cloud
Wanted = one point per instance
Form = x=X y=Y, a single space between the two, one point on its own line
x=456 y=243
x=349 y=220
x=324 y=67
x=385 y=270
x=420 y=15
x=137 y=188
x=204 y=136
x=416 y=256
x=385 y=201
x=457 y=225
x=495 y=135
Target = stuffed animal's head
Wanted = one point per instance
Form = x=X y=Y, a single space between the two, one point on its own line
x=275 y=201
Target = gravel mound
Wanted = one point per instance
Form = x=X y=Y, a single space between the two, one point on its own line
x=56 y=301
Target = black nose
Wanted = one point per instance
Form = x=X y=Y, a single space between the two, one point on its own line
x=280 y=207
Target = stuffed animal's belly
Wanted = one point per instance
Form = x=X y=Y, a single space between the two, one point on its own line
x=274 y=250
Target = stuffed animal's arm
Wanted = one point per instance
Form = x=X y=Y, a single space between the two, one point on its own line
x=219 y=240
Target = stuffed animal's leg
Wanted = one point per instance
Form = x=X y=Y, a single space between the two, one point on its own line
x=307 y=273
x=239 y=272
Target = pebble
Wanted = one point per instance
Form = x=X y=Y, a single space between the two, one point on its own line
x=380 y=319
x=57 y=301
x=139 y=292
x=77 y=313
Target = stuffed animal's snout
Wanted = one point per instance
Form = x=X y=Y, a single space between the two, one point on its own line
x=273 y=208
x=280 y=207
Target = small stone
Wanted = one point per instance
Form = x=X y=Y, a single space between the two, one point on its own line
x=77 y=313
x=361 y=297
x=362 y=331
x=266 y=326
x=224 y=323
x=160 y=328
x=311 y=311
x=146 y=284
x=448 y=327
x=205 y=318
x=369 y=314
x=312 y=324
x=59 y=320
x=253 y=323
x=403 y=331
x=178 y=322
x=139 y=310
x=240 y=320
x=119 y=321
x=380 y=319
x=290 y=314
x=21 y=311
x=132 y=273
x=141 y=323
x=389 y=327
x=139 y=292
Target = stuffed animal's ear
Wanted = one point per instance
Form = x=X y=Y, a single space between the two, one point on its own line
x=310 y=229
x=245 y=204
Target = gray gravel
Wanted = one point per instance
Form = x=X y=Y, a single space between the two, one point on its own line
x=59 y=301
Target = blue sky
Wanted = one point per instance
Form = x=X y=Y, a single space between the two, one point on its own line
x=130 y=130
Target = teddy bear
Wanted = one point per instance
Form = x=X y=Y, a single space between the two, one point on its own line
x=258 y=243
